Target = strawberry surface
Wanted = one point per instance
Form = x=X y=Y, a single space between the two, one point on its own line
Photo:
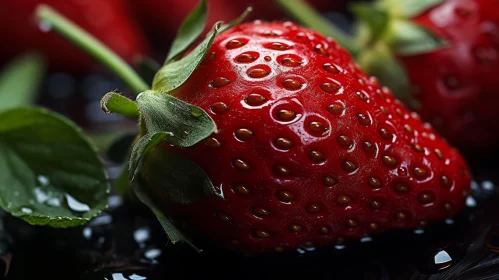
x=309 y=149
x=457 y=86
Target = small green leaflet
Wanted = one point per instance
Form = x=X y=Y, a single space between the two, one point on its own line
x=147 y=68
x=375 y=18
x=237 y=21
x=114 y=102
x=170 y=119
x=19 y=81
x=170 y=229
x=191 y=28
x=407 y=38
x=174 y=74
x=50 y=174
x=409 y=8
x=177 y=178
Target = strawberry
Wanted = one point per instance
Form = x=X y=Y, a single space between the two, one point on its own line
x=309 y=149
x=110 y=21
x=463 y=76
x=440 y=57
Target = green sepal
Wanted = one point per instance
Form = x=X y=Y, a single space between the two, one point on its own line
x=373 y=17
x=178 y=179
x=380 y=62
x=173 y=233
x=170 y=119
x=114 y=102
x=147 y=68
x=190 y=30
x=409 y=8
x=174 y=74
x=50 y=174
x=237 y=21
x=407 y=38
x=20 y=80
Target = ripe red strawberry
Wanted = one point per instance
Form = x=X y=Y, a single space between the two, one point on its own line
x=309 y=149
x=458 y=93
x=110 y=21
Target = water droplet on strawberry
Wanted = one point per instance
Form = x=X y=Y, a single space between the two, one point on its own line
x=291 y=84
x=219 y=107
x=219 y=82
x=255 y=99
x=331 y=68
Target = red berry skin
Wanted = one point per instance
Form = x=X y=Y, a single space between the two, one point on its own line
x=309 y=150
x=459 y=91
x=110 y=21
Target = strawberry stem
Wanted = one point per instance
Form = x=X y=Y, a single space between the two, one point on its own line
x=88 y=43
x=305 y=14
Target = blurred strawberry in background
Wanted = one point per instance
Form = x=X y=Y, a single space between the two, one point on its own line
x=110 y=21
x=162 y=18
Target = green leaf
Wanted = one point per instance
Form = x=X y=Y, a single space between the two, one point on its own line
x=191 y=28
x=147 y=68
x=170 y=229
x=177 y=178
x=409 y=8
x=174 y=74
x=50 y=174
x=407 y=38
x=114 y=102
x=170 y=119
x=20 y=80
x=375 y=18
x=381 y=63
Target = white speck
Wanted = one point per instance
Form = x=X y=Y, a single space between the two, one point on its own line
x=442 y=257
x=44 y=181
x=87 y=232
x=75 y=205
x=470 y=201
x=136 y=277
x=152 y=254
x=103 y=219
x=488 y=185
x=46 y=197
x=115 y=201
x=141 y=235
x=418 y=231
x=26 y=210
x=301 y=251
x=309 y=249
x=474 y=185
x=118 y=276
x=366 y=239
x=339 y=247
x=449 y=221
x=45 y=26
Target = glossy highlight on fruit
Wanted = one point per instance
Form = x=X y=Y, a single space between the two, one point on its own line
x=301 y=166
